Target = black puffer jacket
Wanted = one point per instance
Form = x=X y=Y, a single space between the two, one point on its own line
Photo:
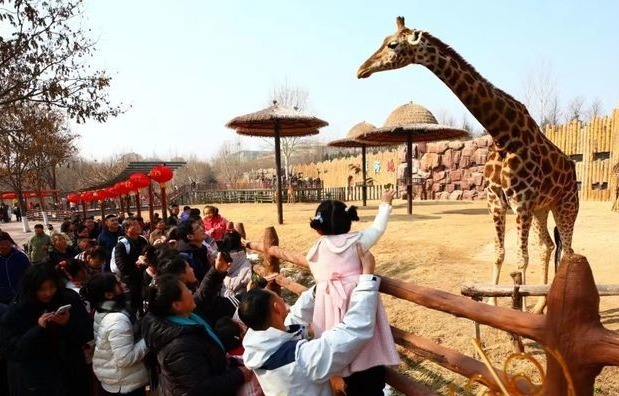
x=191 y=362
x=46 y=361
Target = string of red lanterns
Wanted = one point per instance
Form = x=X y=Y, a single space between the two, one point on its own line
x=159 y=173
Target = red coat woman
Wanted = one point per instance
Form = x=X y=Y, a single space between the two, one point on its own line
x=214 y=224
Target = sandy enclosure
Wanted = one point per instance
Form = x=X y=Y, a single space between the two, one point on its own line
x=443 y=245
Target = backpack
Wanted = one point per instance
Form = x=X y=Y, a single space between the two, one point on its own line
x=113 y=266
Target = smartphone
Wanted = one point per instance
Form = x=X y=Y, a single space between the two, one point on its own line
x=63 y=309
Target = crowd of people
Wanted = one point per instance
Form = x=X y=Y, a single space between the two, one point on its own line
x=174 y=307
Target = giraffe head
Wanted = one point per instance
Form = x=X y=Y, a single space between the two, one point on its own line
x=398 y=50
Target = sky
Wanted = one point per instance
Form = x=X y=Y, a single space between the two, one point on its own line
x=186 y=67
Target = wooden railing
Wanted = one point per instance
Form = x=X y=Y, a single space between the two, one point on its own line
x=577 y=346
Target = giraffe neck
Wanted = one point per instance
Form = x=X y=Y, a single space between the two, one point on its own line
x=495 y=110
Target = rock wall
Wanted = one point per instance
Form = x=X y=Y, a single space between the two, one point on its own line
x=444 y=170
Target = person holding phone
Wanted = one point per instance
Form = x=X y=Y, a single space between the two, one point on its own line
x=191 y=236
x=42 y=336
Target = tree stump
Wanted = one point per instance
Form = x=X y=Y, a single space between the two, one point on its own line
x=574 y=331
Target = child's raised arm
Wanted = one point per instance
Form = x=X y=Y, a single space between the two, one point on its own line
x=371 y=235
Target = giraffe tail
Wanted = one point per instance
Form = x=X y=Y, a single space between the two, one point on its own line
x=559 y=248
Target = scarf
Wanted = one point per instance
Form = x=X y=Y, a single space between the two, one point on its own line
x=194 y=320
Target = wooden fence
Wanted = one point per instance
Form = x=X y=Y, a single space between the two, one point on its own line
x=595 y=149
x=577 y=345
x=185 y=196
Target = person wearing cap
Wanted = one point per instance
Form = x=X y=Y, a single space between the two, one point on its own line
x=13 y=265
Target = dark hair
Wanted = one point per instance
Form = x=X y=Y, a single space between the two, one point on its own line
x=38 y=226
x=173 y=233
x=65 y=226
x=34 y=277
x=171 y=262
x=229 y=333
x=186 y=207
x=96 y=252
x=95 y=289
x=255 y=309
x=72 y=267
x=185 y=228
x=194 y=213
x=166 y=290
x=211 y=208
x=333 y=217
x=231 y=241
x=174 y=205
x=80 y=227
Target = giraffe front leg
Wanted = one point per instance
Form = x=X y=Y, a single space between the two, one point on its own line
x=523 y=221
x=498 y=217
x=545 y=246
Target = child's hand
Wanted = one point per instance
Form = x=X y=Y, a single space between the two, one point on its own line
x=221 y=265
x=368 y=264
x=387 y=196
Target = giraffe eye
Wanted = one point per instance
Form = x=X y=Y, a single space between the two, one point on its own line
x=392 y=44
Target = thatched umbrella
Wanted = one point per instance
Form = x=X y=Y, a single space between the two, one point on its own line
x=277 y=121
x=351 y=140
x=407 y=124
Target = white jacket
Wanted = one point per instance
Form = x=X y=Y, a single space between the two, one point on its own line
x=239 y=274
x=118 y=359
x=285 y=364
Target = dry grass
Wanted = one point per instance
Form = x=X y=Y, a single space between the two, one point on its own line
x=443 y=245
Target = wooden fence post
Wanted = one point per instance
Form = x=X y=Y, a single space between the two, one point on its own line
x=240 y=228
x=271 y=263
x=517 y=345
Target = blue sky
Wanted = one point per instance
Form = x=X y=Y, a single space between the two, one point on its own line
x=187 y=66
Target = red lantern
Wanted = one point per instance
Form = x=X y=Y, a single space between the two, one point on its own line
x=73 y=197
x=30 y=194
x=102 y=194
x=129 y=186
x=87 y=196
x=10 y=195
x=161 y=174
x=120 y=188
x=140 y=180
x=110 y=192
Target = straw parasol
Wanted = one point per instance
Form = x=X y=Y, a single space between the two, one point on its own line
x=277 y=121
x=351 y=140
x=410 y=123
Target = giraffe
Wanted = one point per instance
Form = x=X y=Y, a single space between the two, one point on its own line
x=290 y=193
x=525 y=170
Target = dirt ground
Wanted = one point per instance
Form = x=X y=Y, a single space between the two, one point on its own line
x=443 y=245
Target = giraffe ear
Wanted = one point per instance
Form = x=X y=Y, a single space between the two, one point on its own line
x=399 y=22
x=415 y=37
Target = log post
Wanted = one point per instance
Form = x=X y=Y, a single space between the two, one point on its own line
x=240 y=229
x=271 y=263
x=102 y=207
x=476 y=327
x=138 y=207
x=151 y=209
x=574 y=333
x=517 y=345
